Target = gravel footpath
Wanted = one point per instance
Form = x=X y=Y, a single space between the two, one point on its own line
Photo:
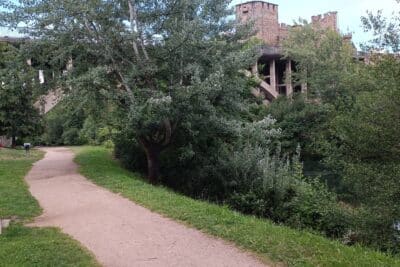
x=118 y=231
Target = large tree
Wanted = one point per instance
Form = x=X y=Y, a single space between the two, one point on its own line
x=162 y=61
x=324 y=61
x=18 y=116
x=357 y=135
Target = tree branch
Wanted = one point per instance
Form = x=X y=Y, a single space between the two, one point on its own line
x=133 y=22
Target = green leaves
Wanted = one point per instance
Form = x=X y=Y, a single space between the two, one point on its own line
x=18 y=116
x=324 y=60
x=386 y=31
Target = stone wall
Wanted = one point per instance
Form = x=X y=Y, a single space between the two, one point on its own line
x=49 y=101
x=265 y=18
x=266 y=21
x=326 y=21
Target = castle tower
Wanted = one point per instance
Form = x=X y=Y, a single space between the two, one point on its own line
x=265 y=18
x=274 y=70
x=326 y=21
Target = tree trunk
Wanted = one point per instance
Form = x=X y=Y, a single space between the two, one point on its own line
x=153 y=163
x=13 y=141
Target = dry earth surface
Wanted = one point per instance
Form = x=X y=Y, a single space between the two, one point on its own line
x=117 y=231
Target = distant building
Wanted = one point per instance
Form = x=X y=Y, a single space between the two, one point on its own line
x=265 y=16
x=266 y=19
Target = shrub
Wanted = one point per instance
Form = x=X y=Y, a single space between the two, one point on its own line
x=89 y=130
x=108 y=144
x=63 y=124
x=377 y=229
x=315 y=207
x=234 y=163
x=71 y=137
x=129 y=152
x=54 y=131
x=275 y=188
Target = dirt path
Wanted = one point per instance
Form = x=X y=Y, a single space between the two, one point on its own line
x=116 y=230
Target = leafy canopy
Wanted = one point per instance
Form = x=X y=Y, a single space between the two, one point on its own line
x=167 y=64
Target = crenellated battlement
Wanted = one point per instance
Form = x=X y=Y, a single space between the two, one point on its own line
x=276 y=71
x=256 y=9
x=322 y=17
x=257 y=4
x=265 y=16
x=327 y=20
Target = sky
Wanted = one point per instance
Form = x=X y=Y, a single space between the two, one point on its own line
x=349 y=13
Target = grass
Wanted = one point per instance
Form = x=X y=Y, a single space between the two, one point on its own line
x=271 y=242
x=15 y=198
x=24 y=246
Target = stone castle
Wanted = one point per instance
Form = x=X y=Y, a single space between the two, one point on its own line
x=276 y=72
x=266 y=21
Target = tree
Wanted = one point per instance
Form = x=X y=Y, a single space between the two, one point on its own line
x=356 y=109
x=300 y=121
x=358 y=139
x=324 y=61
x=160 y=60
x=18 y=116
x=367 y=152
x=386 y=31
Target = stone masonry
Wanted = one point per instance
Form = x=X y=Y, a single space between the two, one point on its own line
x=266 y=21
x=274 y=72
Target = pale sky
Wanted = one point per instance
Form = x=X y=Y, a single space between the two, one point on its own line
x=349 y=13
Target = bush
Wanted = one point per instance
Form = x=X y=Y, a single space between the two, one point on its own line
x=97 y=134
x=71 y=137
x=108 y=144
x=89 y=130
x=54 y=131
x=129 y=152
x=315 y=207
x=276 y=189
x=377 y=229
x=63 y=124
x=244 y=174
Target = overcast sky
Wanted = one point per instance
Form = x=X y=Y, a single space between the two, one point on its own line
x=349 y=12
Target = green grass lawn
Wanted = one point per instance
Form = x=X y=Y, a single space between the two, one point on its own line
x=24 y=246
x=271 y=242
x=15 y=199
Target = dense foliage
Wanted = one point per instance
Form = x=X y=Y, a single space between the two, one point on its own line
x=163 y=81
x=18 y=117
x=348 y=127
x=74 y=122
